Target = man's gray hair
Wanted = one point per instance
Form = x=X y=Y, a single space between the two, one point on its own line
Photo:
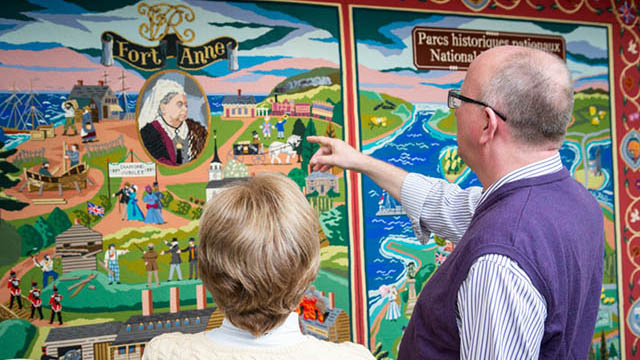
x=534 y=90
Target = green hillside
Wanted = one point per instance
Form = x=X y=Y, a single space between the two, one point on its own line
x=381 y=113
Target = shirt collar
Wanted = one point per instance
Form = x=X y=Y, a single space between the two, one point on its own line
x=288 y=333
x=543 y=167
x=182 y=131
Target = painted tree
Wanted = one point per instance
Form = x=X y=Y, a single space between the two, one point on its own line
x=613 y=353
x=196 y=213
x=332 y=194
x=59 y=221
x=334 y=225
x=298 y=129
x=379 y=353
x=17 y=335
x=308 y=149
x=31 y=240
x=10 y=244
x=183 y=208
x=604 y=354
x=440 y=241
x=298 y=176
x=6 y=181
x=105 y=202
x=330 y=132
x=83 y=217
x=167 y=199
x=46 y=231
x=338 y=112
x=592 y=353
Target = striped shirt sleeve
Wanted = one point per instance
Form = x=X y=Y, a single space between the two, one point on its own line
x=437 y=206
x=500 y=313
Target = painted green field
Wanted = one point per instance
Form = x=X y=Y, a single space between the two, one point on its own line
x=191 y=190
x=581 y=111
x=371 y=106
x=320 y=125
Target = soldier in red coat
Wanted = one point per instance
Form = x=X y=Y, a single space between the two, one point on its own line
x=45 y=356
x=14 y=289
x=56 y=305
x=36 y=302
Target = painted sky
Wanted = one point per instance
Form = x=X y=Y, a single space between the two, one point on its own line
x=385 y=51
x=270 y=35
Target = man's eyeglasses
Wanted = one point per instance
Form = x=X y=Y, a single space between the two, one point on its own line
x=454 y=100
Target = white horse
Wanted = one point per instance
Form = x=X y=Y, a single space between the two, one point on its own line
x=289 y=148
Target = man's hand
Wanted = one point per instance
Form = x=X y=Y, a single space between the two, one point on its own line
x=334 y=152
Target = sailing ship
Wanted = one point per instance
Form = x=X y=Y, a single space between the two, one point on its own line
x=388 y=206
x=126 y=114
x=21 y=112
x=13 y=104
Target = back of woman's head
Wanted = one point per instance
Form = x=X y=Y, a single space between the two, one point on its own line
x=259 y=250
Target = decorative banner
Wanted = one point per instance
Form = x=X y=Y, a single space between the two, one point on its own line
x=155 y=58
x=132 y=169
x=455 y=49
x=630 y=149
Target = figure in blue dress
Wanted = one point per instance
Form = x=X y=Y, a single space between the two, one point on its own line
x=133 y=210
x=154 y=216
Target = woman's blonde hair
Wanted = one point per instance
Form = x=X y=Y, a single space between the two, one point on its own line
x=259 y=250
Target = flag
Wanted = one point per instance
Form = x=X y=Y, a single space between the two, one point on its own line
x=440 y=258
x=94 y=209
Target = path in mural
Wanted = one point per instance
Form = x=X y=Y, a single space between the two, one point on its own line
x=109 y=130
x=21 y=268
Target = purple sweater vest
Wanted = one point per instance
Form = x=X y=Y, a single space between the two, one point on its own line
x=553 y=228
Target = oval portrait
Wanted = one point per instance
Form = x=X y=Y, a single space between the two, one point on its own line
x=173 y=117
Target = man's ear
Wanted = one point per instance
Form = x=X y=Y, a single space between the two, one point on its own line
x=489 y=126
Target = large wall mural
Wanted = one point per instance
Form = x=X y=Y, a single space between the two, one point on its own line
x=120 y=120
x=417 y=132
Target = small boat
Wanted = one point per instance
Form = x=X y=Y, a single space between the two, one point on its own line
x=14 y=131
x=73 y=178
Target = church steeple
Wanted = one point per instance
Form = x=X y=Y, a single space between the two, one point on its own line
x=215 y=168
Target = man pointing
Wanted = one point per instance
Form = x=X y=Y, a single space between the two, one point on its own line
x=524 y=280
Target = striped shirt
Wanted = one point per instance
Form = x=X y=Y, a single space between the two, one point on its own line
x=501 y=314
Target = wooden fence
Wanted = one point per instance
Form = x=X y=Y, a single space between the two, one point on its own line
x=28 y=155
x=103 y=148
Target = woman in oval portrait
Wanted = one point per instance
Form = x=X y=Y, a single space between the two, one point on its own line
x=168 y=134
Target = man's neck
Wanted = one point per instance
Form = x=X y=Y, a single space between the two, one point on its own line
x=515 y=159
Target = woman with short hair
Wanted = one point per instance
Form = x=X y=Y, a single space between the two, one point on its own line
x=258 y=253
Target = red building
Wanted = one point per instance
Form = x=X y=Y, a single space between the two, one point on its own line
x=281 y=108
x=302 y=109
